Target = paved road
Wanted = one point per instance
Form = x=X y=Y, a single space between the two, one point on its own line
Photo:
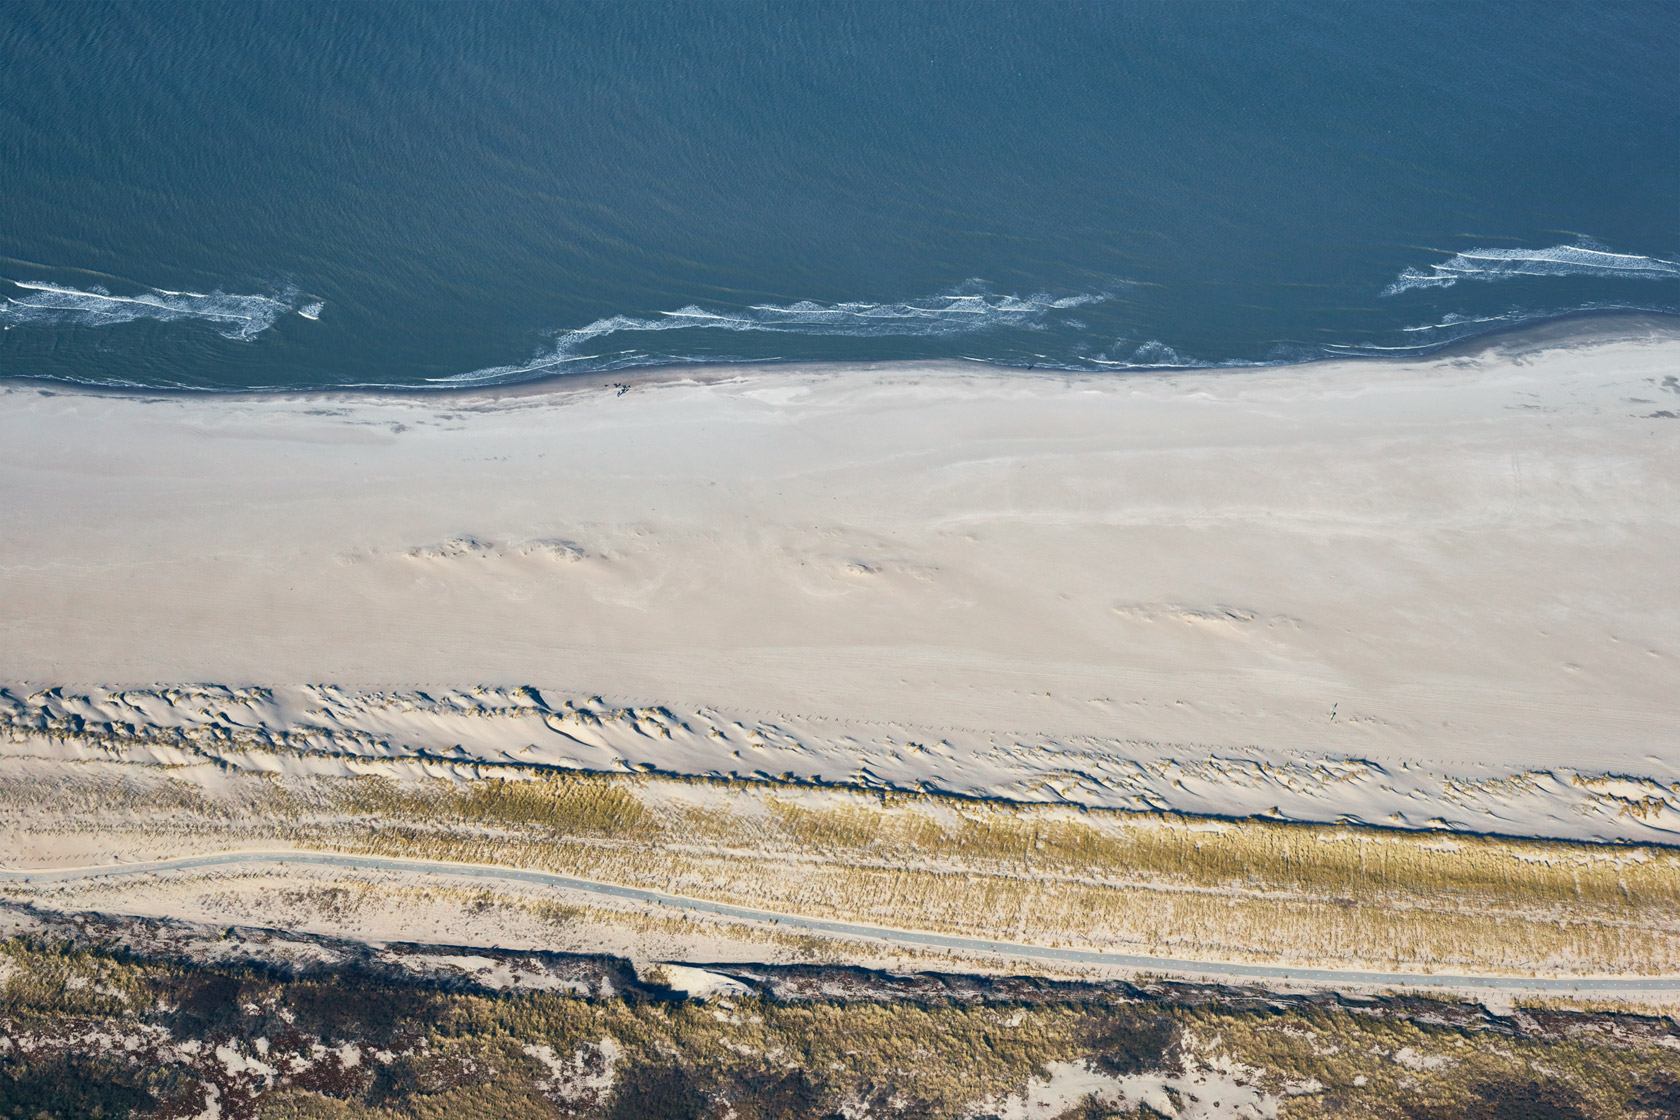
x=913 y=939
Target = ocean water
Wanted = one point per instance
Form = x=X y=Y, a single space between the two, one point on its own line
x=254 y=195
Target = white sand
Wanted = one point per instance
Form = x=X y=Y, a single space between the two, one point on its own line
x=1467 y=566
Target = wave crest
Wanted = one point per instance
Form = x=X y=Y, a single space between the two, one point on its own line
x=234 y=316
x=1559 y=260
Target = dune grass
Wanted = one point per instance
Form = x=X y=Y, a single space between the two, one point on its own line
x=1255 y=889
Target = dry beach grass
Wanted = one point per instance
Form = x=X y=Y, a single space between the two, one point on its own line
x=1257 y=890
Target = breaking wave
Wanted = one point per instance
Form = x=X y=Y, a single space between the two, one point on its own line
x=233 y=316
x=1152 y=354
x=1559 y=260
x=965 y=309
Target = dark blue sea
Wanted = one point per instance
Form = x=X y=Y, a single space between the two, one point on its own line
x=281 y=195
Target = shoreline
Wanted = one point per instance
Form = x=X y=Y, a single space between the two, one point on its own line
x=1571 y=330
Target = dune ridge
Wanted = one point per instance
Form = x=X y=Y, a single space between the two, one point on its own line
x=318 y=731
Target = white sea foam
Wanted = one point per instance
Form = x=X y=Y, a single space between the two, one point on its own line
x=1467 y=322
x=1433 y=336
x=1153 y=354
x=1559 y=260
x=965 y=309
x=1157 y=353
x=1455 y=327
x=234 y=316
x=311 y=310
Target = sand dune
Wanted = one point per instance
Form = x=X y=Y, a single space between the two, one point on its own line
x=313 y=732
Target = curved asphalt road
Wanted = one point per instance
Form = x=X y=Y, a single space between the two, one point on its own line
x=1325 y=977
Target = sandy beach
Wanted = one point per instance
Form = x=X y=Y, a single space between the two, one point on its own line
x=1459 y=566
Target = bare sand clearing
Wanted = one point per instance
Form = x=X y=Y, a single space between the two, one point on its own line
x=1464 y=566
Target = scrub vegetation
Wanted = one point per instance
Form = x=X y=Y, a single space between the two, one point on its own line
x=90 y=1031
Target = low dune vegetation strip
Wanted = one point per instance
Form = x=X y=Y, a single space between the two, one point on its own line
x=933 y=832
x=1058 y=875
